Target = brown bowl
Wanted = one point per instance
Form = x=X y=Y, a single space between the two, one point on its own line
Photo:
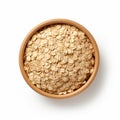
x=50 y=22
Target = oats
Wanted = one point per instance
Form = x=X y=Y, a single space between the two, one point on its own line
x=59 y=65
x=30 y=43
x=51 y=42
x=75 y=57
x=47 y=56
x=69 y=91
x=58 y=37
x=47 y=65
x=70 y=51
x=50 y=88
x=72 y=46
x=54 y=68
x=64 y=93
x=87 y=71
x=79 y=47
x=51 y=47
x=91 y=71
x=64 y=60
x=34 y=54
x=35 y=47
x=43 y=43
x=59 y=59
x=65 y=73
x=92 y=61
x=62 y=70
x=46 y=50
x=65 y=79
x=43 y=86
x=34 y=38
x=33 y=82
x=72 y=40
x=81 y=78
x=53 y=53
x=60 y=93
x=31 y=76
x=39 y=57
x=75 y=33
x=58 y=26
x=66 y=44
x=28 y=58
x=89 y=56
x=83 y=82
x=65 y=52
x=38 y=86
x=71 y=61
x=58 y=84
x=69 y=68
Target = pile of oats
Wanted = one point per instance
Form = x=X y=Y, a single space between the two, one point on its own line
x=59 y=59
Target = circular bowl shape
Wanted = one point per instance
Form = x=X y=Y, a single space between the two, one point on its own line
x=52 y=22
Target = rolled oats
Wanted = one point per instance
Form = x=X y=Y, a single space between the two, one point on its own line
x=59 y=59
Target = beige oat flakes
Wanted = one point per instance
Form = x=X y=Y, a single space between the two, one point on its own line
x=59 y=59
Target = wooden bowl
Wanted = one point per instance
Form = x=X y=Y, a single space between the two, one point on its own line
x=50 y=22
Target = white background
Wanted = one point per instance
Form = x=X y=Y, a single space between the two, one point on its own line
x=100 y=101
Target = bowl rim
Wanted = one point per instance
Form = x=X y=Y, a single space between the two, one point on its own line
x=51 y=22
